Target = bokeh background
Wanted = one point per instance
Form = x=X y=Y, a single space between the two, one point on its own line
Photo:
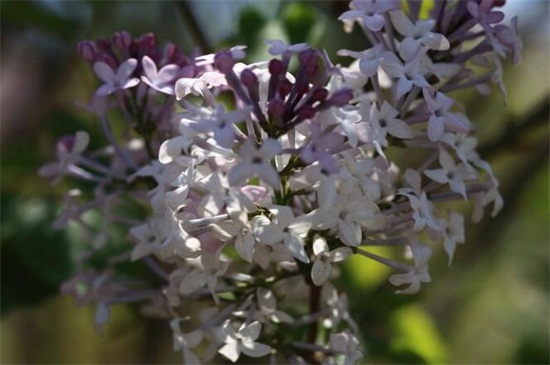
x=490 y=307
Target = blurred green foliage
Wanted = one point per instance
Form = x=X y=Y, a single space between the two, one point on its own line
x=490 y=307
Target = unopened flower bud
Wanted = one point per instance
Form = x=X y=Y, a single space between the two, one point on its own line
x=122 y=39
x=86 y=50
x=341 y=97
x=248 y=78
x=224 y=62
x=276 y=67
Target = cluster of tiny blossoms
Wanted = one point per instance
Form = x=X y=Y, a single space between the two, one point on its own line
x=242 y=187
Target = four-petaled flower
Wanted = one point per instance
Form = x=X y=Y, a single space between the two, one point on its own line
x=243 y=340
x=417 y=274
x=255 y=161
x=115 y=80
x=322 y=267
x=162 y=80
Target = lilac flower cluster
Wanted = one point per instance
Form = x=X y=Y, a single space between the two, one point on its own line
x=268 y=176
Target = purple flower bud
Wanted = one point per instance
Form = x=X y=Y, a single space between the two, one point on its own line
x=308 y=58
x=103 y=44
x=308 y=63
x=341 y=97
x=276 y=107
x=319 y=94
x=86 y=50
x=147 y=41
x=306 y=112
x=284 y=87
x=224 y=62
x=276 y=67
x=301 y=89
x=248 y=78
x=122 y=40
x=172 y=54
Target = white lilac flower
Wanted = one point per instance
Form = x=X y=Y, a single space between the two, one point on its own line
x=267 y=305
x=370 y=12
x=463 y=144
x=242 y=341
x=320 y=146
x=347 y=121
x=423 y=212
x=359 y=174
x=175 y=150
x=371 y=59
x=115 y=80
x=278 y=47
x=255 y=161
x=185 y=342
x=220 y=124
x=417 y=274
x=453 y=233
x=417 y=35
x=338 y=305
x=441 y=117
x=174 y=240
x=344 y=214
x=69 y=151
x=287 y=229
x=347 y=344
x=451 y=173
x=241 y=230
x=383 y=122
x=216 y=196
x=408 y=75
x=147 y=241
x=213 y=267
x=321 y=269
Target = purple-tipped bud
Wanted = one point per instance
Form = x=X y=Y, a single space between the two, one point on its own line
x=276 y=67
x=276 y=108
x=302 y=89
x=306 y=112
x=248 y=78
x=172 y=54
x=341 y=97
x=320 y=94
x=308 y=63
x=103 y=44
x=284 y=87
x=122 y=40
x=147 y=41
x=308 y=58
x=224 y=62
x=86 y=50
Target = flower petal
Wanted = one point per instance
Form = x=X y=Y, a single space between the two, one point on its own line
x=320 y=271
x=255 y=349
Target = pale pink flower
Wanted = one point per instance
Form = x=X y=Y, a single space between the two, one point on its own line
x=115 y=80
x=163 y=80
